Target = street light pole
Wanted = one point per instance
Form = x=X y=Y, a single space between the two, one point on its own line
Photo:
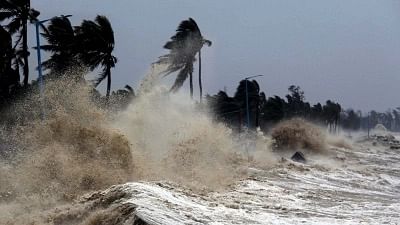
x=368 y=124
x=247 y=107
x=247 y=100
x=39 y=58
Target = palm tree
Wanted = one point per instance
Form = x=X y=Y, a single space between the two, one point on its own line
x=96 y=44
x=9 y=78
x=61 y=41
x=19 y=12
x=5 y=50
x=183 y=47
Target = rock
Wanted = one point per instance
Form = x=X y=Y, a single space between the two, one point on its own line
x=298 y=157
x=395 y=147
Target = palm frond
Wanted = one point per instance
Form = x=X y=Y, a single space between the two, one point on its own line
x=47 y=48
x=187 y=27
x=5 y=4
x=207 y=42
x=14 y=6
x=181 y=77
x=15 y=25
x=96 y=40
x=130 y=89
x=18 y=41
x=61 y=41
x=106 y=29
x=4 y=15
x=102 y=75
x=33 y=15
x=60 y=33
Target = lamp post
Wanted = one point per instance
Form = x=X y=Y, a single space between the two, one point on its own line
x=368 y=124
x=39 y=57
x=247 y=100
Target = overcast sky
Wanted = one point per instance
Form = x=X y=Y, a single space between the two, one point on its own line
x=347 y=50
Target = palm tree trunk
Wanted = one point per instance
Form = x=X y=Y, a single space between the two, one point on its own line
x=191 y=84
x=25 y=51
x=108 y=81
x=200 y=84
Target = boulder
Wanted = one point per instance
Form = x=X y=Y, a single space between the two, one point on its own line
x=298 y=157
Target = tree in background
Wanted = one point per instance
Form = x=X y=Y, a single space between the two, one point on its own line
x=350 y=120
x=62 y=44
x=95 y=41
x=273 y=111
x=226 y=109
x=19 y=12
x=316 y=112
x=295 y=100
x=5 y=50
x=253 y=97
x=9 y=78
x=265 y=113
x=331 y=115
x=183 y=47
x=396 y=118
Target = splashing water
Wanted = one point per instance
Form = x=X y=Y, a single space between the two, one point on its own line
x=177 y=142
x=152 y=78
x=72 y=151
x=80 y=147
x=162 y=138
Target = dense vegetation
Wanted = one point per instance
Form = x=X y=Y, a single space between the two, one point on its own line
x=266 y=112
x=90 y=46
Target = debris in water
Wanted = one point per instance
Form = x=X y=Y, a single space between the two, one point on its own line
x=298 y=157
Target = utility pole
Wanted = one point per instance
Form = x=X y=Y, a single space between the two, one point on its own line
x=368 y=124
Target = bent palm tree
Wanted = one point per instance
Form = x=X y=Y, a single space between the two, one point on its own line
x=183 y=47
x=61 y=41
x=19 y=12
x=96 y=44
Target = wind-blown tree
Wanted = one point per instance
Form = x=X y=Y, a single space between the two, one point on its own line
x=183 y=47
x=273 y=111
x=396 y=117
x=350 y=120
x=252 y=97
x=295 y=99
x=5 y=49
x=19 y=12
x=226 y=109
x=96 y=44
x=317 y=112
x=9 y=78
x=331 y=112
x=62 y=43
x=118 y=100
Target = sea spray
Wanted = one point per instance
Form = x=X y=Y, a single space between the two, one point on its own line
x=176 y=141
x=72 y=150
x=298 y=134
x=152 y=78
x=78 y=147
